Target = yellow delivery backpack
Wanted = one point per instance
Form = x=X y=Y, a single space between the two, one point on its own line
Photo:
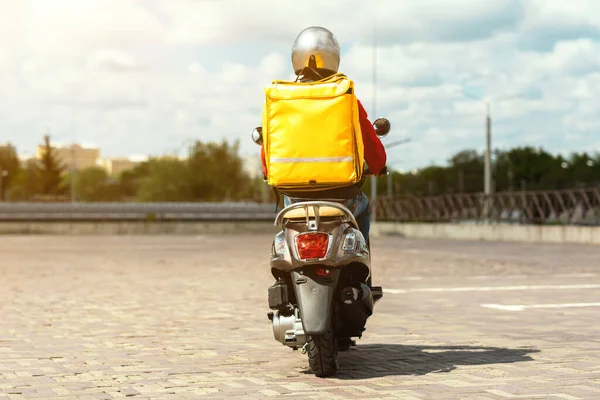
x=311 y=134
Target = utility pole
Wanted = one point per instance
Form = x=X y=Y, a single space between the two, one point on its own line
x=373 y=177
x=488 y=186
x=487 y=170
x=487 y=183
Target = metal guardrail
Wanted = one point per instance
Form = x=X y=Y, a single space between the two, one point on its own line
x=568 y=207
x=34 y=212
x=576 y=206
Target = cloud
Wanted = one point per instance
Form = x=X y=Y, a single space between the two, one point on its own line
x=395 y=65
x=549 y=21
x=405 y=22
x=113 y=61
x=463 y=21
x=149 y=76
x=196 y=68
x=68 y=30
x=13 y=22
x=568 y=58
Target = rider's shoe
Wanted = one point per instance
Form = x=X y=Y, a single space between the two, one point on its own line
x=345 y=343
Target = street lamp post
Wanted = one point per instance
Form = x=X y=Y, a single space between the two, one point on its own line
x=487 y=187
x=373 y=177
x=487 y=173
x=487 y=170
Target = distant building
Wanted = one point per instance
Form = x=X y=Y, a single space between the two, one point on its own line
x=85 y=157
x=115 y=166
x=81 y=157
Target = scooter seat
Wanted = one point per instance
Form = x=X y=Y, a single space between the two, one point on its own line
x=324 y=211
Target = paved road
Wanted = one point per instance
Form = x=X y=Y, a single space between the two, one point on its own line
x=185 y=317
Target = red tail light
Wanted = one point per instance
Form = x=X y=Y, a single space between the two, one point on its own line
x=312 y=245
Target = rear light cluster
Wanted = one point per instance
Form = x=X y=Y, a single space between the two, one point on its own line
x=349 y=242
x=312 y=245
x=279 y=245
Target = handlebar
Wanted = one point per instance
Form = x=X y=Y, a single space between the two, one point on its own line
x=384 y=171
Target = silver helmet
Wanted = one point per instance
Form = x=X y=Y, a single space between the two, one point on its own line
x=315 y=47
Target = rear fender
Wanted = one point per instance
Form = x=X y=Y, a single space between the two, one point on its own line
x=314 y=294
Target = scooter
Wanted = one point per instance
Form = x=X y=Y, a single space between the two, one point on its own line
x=322 y=296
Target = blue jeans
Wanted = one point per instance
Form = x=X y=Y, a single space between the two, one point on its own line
x=359 y=206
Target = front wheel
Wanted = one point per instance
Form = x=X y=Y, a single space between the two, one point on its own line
x=323 y=354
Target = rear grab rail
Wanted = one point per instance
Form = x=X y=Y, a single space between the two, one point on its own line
x=316 y=206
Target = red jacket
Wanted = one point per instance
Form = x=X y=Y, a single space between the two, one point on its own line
x=375 y=155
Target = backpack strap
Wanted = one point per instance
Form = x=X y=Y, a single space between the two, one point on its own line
x=331 y=78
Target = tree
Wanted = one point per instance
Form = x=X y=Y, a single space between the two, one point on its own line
x=217 y=172
x=585 y=169
x=432 y=181
x=49 y=171
x=527 y=167
x=131 y=179
x=514 y=169
x=404 y=184
x=93 y=184
x=465 y=172
x=25 y=184
x=168 y=179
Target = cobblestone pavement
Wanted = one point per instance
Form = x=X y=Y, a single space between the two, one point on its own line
x=185 y=317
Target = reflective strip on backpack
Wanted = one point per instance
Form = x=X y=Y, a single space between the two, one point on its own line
x=313 y=159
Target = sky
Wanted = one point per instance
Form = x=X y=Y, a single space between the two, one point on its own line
x=150 y=76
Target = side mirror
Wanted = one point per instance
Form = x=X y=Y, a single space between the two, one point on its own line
x=382 y=127
x=257 y=136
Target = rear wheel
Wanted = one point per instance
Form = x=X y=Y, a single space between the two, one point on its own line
x=323 y=354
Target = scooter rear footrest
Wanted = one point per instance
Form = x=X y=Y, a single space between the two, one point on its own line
x=377 y=292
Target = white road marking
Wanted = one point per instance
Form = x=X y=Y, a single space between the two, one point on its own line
x=575 y=275
x=522 y=276
x=432 y=252
x=522 y=307
x=492 y=288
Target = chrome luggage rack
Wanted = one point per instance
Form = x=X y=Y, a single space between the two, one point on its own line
x=338 y=211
